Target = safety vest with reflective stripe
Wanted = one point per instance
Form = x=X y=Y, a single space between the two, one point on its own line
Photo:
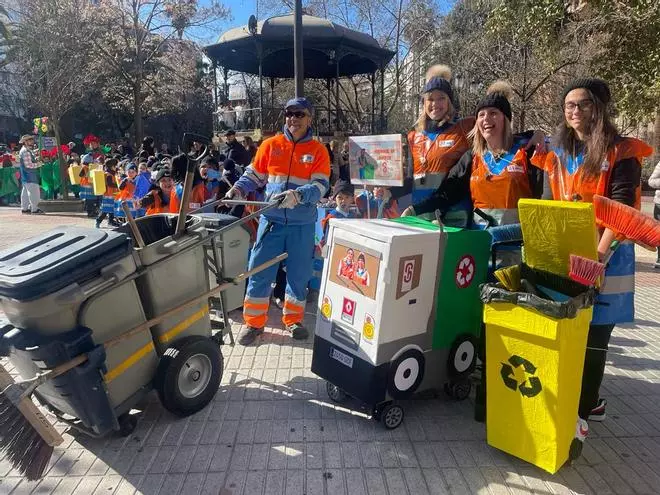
x=281 y=165
x=433 y=159
x=615 y=303
x=197 y=197
x=497 y=185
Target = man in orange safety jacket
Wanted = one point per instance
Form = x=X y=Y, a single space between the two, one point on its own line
x=295 y=170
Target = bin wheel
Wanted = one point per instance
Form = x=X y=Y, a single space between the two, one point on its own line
x=458 y=390
x=335 y=393
x=127 y=424
x=189 y=374
x=575 y=450
x=462 y=356
x=391 y=415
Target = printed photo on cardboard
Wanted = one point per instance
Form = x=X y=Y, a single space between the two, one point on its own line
x=355 y=270
x=376 y=160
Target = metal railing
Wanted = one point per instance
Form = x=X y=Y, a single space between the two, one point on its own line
x=326 y=121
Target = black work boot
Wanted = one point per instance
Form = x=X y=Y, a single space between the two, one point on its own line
x=298 y=331
x=249 y=335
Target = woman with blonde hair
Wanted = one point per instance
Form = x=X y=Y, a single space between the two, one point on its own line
x=439 y=138
x=495 y=173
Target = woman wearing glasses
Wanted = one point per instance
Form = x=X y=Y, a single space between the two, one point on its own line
x=589 y=157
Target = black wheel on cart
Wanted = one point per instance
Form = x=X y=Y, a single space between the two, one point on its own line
x=459 y=390
x=391 y=415
x=335 y=393
x=188 y=375
x=127 y=424
x=406 y=374
x=462 y=356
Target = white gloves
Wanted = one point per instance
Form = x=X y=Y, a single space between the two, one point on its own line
x=234 y=193
x=408 y=212
x=289 y=198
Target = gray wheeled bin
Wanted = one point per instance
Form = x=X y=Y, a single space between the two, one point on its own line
x=63 y=292
x=167 y=285
x=232 y=249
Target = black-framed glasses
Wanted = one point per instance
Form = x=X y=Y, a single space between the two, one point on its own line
x=581 y=105
x=299 y=114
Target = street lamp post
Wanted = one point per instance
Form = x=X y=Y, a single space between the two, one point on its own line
x=298 y=49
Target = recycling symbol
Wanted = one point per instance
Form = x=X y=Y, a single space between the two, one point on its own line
x=529 y=387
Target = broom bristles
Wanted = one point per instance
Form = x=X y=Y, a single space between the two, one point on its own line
x=584 y=270
x=26 y=450
x=626 y=221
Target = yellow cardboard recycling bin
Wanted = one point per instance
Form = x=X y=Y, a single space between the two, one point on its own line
x=533 y=376
x=98 y=182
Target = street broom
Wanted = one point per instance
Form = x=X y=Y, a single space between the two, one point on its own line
x=25 y=433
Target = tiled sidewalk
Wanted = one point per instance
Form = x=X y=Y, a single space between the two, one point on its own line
x=272 y=430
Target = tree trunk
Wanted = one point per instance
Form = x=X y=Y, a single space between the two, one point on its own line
x=137 y=114
x=656 y=135
x=64 y=186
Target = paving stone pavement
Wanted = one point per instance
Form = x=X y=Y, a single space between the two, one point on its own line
x=272 y=429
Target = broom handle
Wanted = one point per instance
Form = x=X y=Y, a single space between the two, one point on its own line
x=131 y=223
x=78 y=360
x=185 y=198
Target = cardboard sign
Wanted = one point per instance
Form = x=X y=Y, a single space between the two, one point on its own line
x=376 y=160
x=409 y=274
x=348 y=310
x=355 y=270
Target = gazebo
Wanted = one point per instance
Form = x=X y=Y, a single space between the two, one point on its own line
x=330 y=51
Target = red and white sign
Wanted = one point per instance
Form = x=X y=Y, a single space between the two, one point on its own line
x=407 y=277
x=348 y=310
x=465 y=271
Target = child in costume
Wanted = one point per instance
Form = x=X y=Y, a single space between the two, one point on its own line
x=361 y=274
x=111 y=190
x=127 y=192
x=86 y=189
x=343 y=194
x=198 y=193
x=157 y=199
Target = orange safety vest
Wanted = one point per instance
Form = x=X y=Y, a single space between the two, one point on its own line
x=497 y=194
x=157 y=206
x=437 y=157
x=110 y=191
x=128 y=192
x=84 y=178
x=197 y=197
x=567 y=187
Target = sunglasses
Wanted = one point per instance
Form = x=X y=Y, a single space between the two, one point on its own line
x=299 y=114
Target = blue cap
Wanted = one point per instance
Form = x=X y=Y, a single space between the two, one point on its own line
x=300 y=104
x=131 y=166
x=87 y=159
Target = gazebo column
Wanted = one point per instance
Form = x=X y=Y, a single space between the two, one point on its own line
x=373 y=102
x=337 y=89
x=261 y=87
x=329 y=105
x=382 y=100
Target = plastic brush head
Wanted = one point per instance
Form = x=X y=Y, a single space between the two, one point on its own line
x=585 y=271
x=506 y=233
x=627 y=222
x=509 y=277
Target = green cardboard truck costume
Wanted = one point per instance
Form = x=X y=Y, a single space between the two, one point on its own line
x=399 y=311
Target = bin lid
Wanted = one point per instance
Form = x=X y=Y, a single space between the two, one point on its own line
x=216 y=220
x=55 y=259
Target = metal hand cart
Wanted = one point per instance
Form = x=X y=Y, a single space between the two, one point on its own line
x=96 y=323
